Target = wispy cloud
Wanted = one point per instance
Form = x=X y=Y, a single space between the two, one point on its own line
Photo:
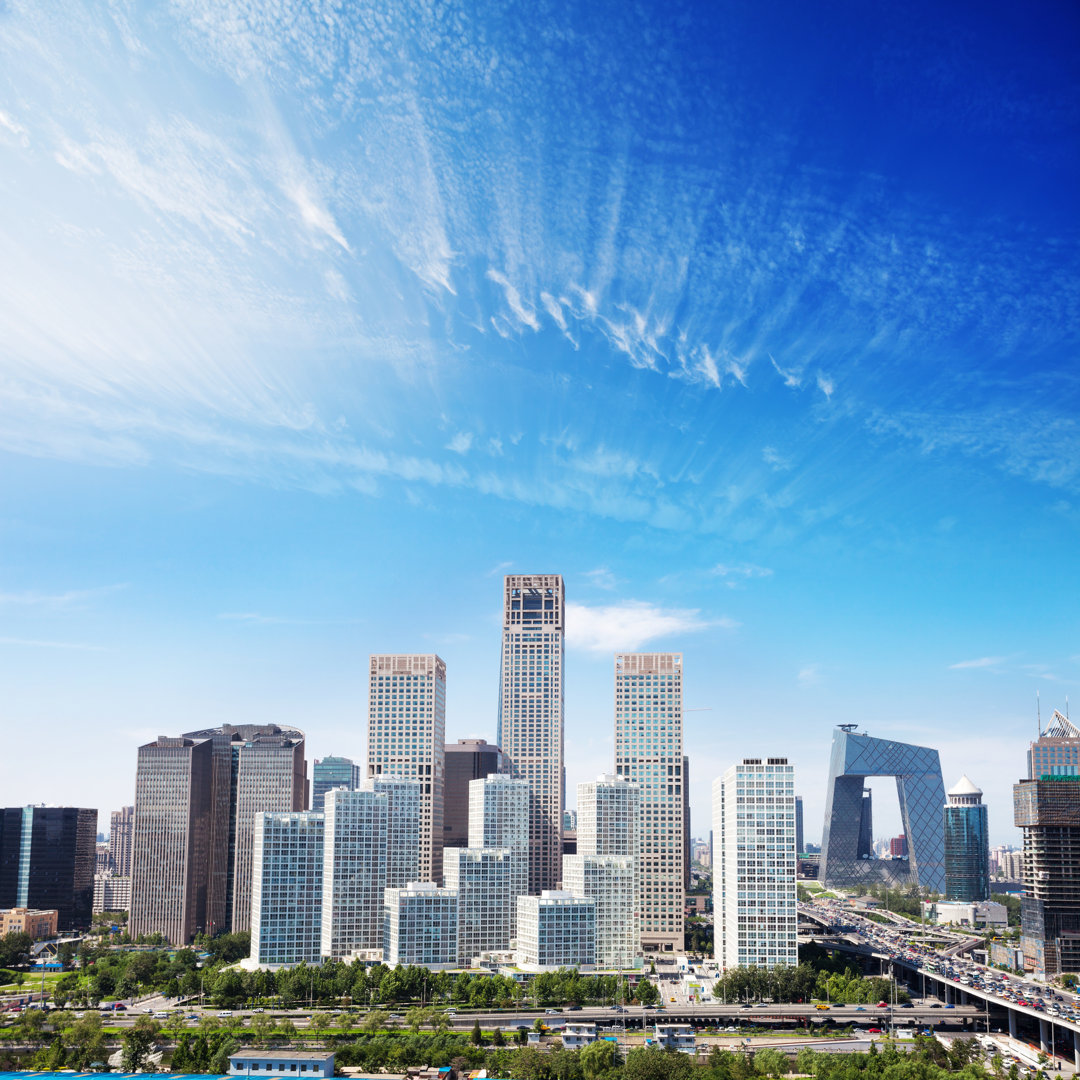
x=631 y=624
x=499 y=568
x=602 y=578
x=772 y=457
x=71 y=599
x=461 y=442
x=255 y=618
x=980 y=662
x=825 y=384
x=736 y=574
x=31 y=643
x=809 y=675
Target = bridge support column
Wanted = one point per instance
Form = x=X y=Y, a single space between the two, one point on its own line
x=1012 y=1023
x=1044 y=1036
x=1076 y=1051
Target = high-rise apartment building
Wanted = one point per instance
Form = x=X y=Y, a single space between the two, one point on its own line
x=754 y=903
x=605 y=866
x=354 y=872
x=286 y=891
x=649 y=752
x=404 y=811
x=466 y=760
x=967 y=844
x=555 y=930
x=531 y=710
x=493 y=871
x=47 y=856
x=111 y=893
x=257 y=768
x=407 y=737
x=121 y=825
x=421 y=926
x=332 y=772
x=799 y=849
x=174 y=809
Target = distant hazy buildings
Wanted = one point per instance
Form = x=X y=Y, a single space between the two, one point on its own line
x=466 y=760
x=754 y=901
x=421 y=926
x=555 y=929
x=649 y=752
x=332 y=772
x=407 y=738
x=530 y=728
x=121 y=834
x=917 y=770
x=967 y=844
x=47 y=856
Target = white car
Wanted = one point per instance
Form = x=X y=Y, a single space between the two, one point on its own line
x=225 y=1012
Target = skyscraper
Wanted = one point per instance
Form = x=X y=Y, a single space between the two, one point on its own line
x=354 y=872
x=287 y=877
x=649 y=752
x=920 y=792
x=172 y=838
x=1047 y=807
x=967 y=844
x=47 y=856
x=421 y=926
x=406 y=737
x=256 y=768
x=332 y=772
x=799 y=849
x=121 y=824
x=466 y=760
x=754 y=902
x=531 y=710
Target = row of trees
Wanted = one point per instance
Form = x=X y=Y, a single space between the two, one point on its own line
x=820 y=976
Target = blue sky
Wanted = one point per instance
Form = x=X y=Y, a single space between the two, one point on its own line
x=757 y=322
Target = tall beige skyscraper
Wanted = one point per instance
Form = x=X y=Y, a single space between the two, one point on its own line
x=531 y=711
x=649 y=752
x=407 y=736
x=121 y=823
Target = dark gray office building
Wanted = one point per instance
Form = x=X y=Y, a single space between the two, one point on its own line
x=465 y=761
x=47 y=856
x=329 y=773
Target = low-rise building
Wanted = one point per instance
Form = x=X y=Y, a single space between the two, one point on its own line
x=556 y=929
x=294 y=1064
x=676 y=1037
x=38 y=924
x=575 y=1036
x=978 y=913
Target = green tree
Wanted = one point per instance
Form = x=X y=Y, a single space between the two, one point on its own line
x=477 y=1036
x=652 y=1063
x=137 y=1044
x=597 y=1059
x=771 y=1062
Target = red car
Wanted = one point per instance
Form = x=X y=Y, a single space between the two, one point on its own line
x=882 y=1004
x=873 y=1031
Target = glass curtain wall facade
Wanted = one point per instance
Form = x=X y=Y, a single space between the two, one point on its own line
x=967 y=844
x=531 y=711
x=332 y=772
x=921 y=792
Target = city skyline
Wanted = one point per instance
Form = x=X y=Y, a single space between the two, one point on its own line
x=757 y=330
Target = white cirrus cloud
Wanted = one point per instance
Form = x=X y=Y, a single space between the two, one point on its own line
x=809 y=675
x=825 y=384
x=630 y=624
x=980 y=662
x=734 y=573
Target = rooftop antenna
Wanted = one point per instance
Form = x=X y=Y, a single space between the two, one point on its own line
x=1038 y=715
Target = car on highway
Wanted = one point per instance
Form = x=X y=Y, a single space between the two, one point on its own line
x=225 y=1013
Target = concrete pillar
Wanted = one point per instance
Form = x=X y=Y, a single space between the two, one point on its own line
x=1076 y=1051
x=1044 y=1036
x=1012 y=1022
